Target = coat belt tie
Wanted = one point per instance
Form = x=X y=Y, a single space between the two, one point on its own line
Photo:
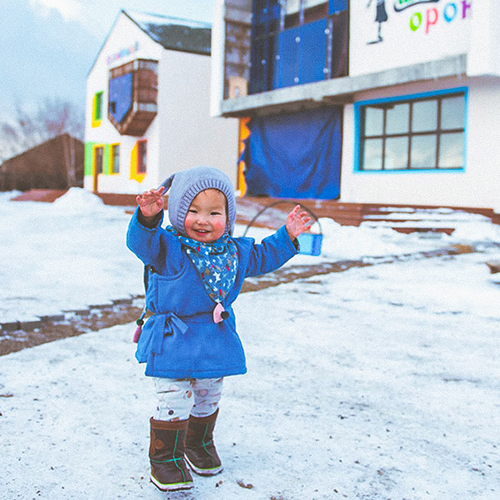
x=161 y=325
x=172 y=324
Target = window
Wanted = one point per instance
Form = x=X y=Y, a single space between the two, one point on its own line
x=139 y=160
x=297 y=41
x=97 y=109
x=416 y=134
x=142 y=153
x=133 y=92
x=98 y=160
x=98 y=165
x=237 y=55
x=297 y=12
x=115 y=158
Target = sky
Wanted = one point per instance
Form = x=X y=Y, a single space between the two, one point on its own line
x=378 y=382
x=49 y=46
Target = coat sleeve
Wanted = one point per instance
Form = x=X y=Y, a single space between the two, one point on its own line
x=270 y=254
x=151 y=244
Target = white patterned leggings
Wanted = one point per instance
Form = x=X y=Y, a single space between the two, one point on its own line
x=180 y=397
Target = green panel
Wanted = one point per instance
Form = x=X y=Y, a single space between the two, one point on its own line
x=98 y=106
x=106 y=160
x=88 y=157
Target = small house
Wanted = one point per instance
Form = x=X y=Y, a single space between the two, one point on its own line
x=54 y=164
x=148 y=106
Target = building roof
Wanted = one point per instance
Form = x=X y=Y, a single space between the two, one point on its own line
x=174 y=33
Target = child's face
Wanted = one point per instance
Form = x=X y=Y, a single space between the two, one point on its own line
x=206 y=218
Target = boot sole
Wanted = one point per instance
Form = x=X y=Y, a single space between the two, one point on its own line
x=171 y=487
x=203 y=472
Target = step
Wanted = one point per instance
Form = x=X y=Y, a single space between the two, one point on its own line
x=42 y=195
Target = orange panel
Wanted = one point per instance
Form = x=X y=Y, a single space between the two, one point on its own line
x=243 y=133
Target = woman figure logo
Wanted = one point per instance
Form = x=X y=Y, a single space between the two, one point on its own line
x=380 y=18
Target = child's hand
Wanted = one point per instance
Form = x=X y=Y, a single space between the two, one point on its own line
x=297 y=222
x=151 y=202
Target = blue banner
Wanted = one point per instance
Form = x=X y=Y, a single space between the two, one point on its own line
x=295 y=155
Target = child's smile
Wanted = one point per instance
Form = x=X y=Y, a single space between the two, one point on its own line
x=206 y=218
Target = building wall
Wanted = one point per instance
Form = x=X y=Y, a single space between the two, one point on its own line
x=475 y=186
x=189 y=136
x=483 y=144
x=484 y=50
x=419 y=33
x=413 y=32
x=403 y=48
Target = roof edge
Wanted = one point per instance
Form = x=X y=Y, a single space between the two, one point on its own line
x=206 y=26
x=130 y=17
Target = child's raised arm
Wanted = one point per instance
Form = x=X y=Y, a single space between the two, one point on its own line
x=297 y=222
x=151 y=202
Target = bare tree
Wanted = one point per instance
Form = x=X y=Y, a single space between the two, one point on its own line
x=27 y=128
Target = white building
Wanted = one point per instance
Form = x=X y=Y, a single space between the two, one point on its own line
x=148 y=106
x=373 y=101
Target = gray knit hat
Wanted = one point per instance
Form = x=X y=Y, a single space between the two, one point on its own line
x=187 y=184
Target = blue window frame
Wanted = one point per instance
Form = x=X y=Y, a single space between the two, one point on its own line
x=412 y=133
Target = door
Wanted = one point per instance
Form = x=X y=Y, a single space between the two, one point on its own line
x=98 y=165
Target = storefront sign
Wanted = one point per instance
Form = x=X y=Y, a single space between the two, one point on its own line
x=387 y=34
x=400 y=5
x=125 y=52
x=432 y=16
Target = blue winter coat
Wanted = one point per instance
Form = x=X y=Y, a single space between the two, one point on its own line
x=180 y=339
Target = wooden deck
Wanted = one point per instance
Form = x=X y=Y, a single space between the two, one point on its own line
x=42 y=195
x=402 y=218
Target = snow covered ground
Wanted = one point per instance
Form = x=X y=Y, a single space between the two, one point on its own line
x=380 y=382
x=71 y=254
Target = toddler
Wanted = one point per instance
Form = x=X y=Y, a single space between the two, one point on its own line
x=195 y=270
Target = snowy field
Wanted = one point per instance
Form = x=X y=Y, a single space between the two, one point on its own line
x=380 y=382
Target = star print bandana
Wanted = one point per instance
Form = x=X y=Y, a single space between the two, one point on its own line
x=216 y=262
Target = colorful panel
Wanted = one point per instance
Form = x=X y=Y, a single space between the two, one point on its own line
x=243 y=134
x=89 y=149
x=312 y=52
x=286 y=71
x=97 y=109
x=134 y=164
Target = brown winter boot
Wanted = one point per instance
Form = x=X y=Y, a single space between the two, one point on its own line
x=169 y=471
x=201 y=454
